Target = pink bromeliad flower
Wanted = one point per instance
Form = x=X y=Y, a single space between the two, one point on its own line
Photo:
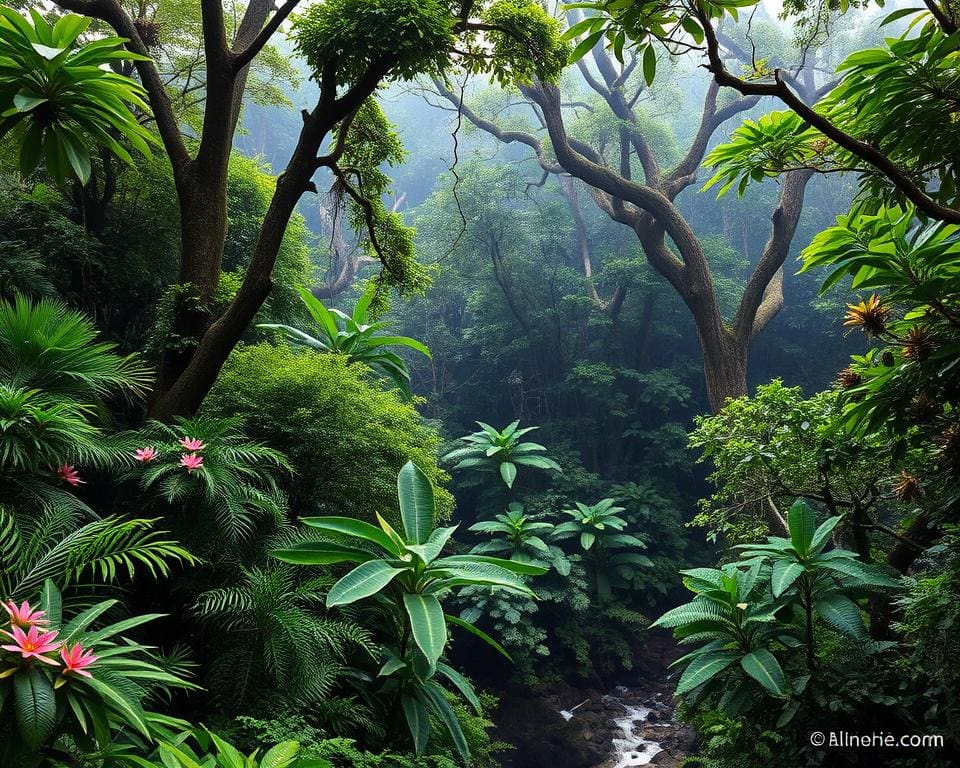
x=33 y=644
x=145 y=455
x=68 y=474
x=191 y=461
x=76 y=660
x=192 y=444
x=25 y=615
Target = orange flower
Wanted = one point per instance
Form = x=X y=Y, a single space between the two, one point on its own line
x=870 y=316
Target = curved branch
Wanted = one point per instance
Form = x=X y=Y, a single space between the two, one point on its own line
x=861 y=149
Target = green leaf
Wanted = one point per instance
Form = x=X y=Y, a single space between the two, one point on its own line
x=352 y=527
x=320 y=553
x=785 y=572
x=822 y=533
x=703 y=668
x=448 y=717
x=282 y=755
x=417 y=507
x=476 y=632
x=427 y=624
x=35 y=706
x=51 y=603
x=508 y=471
x=801 y=521
x=649 y=64
x=462 y=685
x=418 y=720
x=764 y=668
x=363 y=581
x=842 y=613
x=129 y=710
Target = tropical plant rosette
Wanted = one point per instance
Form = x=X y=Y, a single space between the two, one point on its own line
x=63 y=677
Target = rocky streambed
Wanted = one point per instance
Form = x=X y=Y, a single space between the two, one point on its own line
x=632 y=724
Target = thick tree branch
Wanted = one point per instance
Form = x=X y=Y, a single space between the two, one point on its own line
x=861 y=149
x=243 y=57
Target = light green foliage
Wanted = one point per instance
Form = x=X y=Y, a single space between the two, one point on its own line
x=327 y=416
x=890 y=95
x=356 y=35
x=359 y=341
x=406 y=571
x=778 y=444
x=84 y=712
x=371 y=144
x=61 y=97
x=491 y=450
x=600 y=532
x=527 y=43
x=912 y=268
x=521 y=538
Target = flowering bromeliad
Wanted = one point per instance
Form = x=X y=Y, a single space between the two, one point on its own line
x=33 y=644
x=76 y=660
x=192 y=444
x=38 y=643
x=68 y=474
x=145 y=455
x=191 y=461
x=25 y=615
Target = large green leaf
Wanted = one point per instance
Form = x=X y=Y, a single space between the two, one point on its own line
x=363 y=581
x=35 y=706
x=764 y=668
x=704 y=668
x=282 y=755
x=822 y=533
x=448 y=717
x=462 y=685
x=417 y=715
x=508 y=472
x=417 y=509
x=841 y=612
x=352 y=527
x=427 y=624
x=321 y=553
x=801 y=521
x=785 y=572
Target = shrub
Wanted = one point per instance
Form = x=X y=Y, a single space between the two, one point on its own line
x=344 y=434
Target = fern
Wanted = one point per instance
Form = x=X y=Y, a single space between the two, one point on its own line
x=271 y=634
x=104 y=550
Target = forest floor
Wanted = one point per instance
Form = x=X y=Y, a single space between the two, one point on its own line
x=631 y=723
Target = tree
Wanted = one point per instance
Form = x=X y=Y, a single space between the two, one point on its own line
x=612 y=174
x=352 y=48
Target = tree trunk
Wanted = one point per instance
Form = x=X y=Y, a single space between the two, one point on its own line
x=724 y=366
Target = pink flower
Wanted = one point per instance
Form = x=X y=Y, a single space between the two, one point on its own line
x=24 y=616
x=191 y=461
x=68 y=474
x=76 y=660
x=145 y=455
x=192 y=444
x=33 y=644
